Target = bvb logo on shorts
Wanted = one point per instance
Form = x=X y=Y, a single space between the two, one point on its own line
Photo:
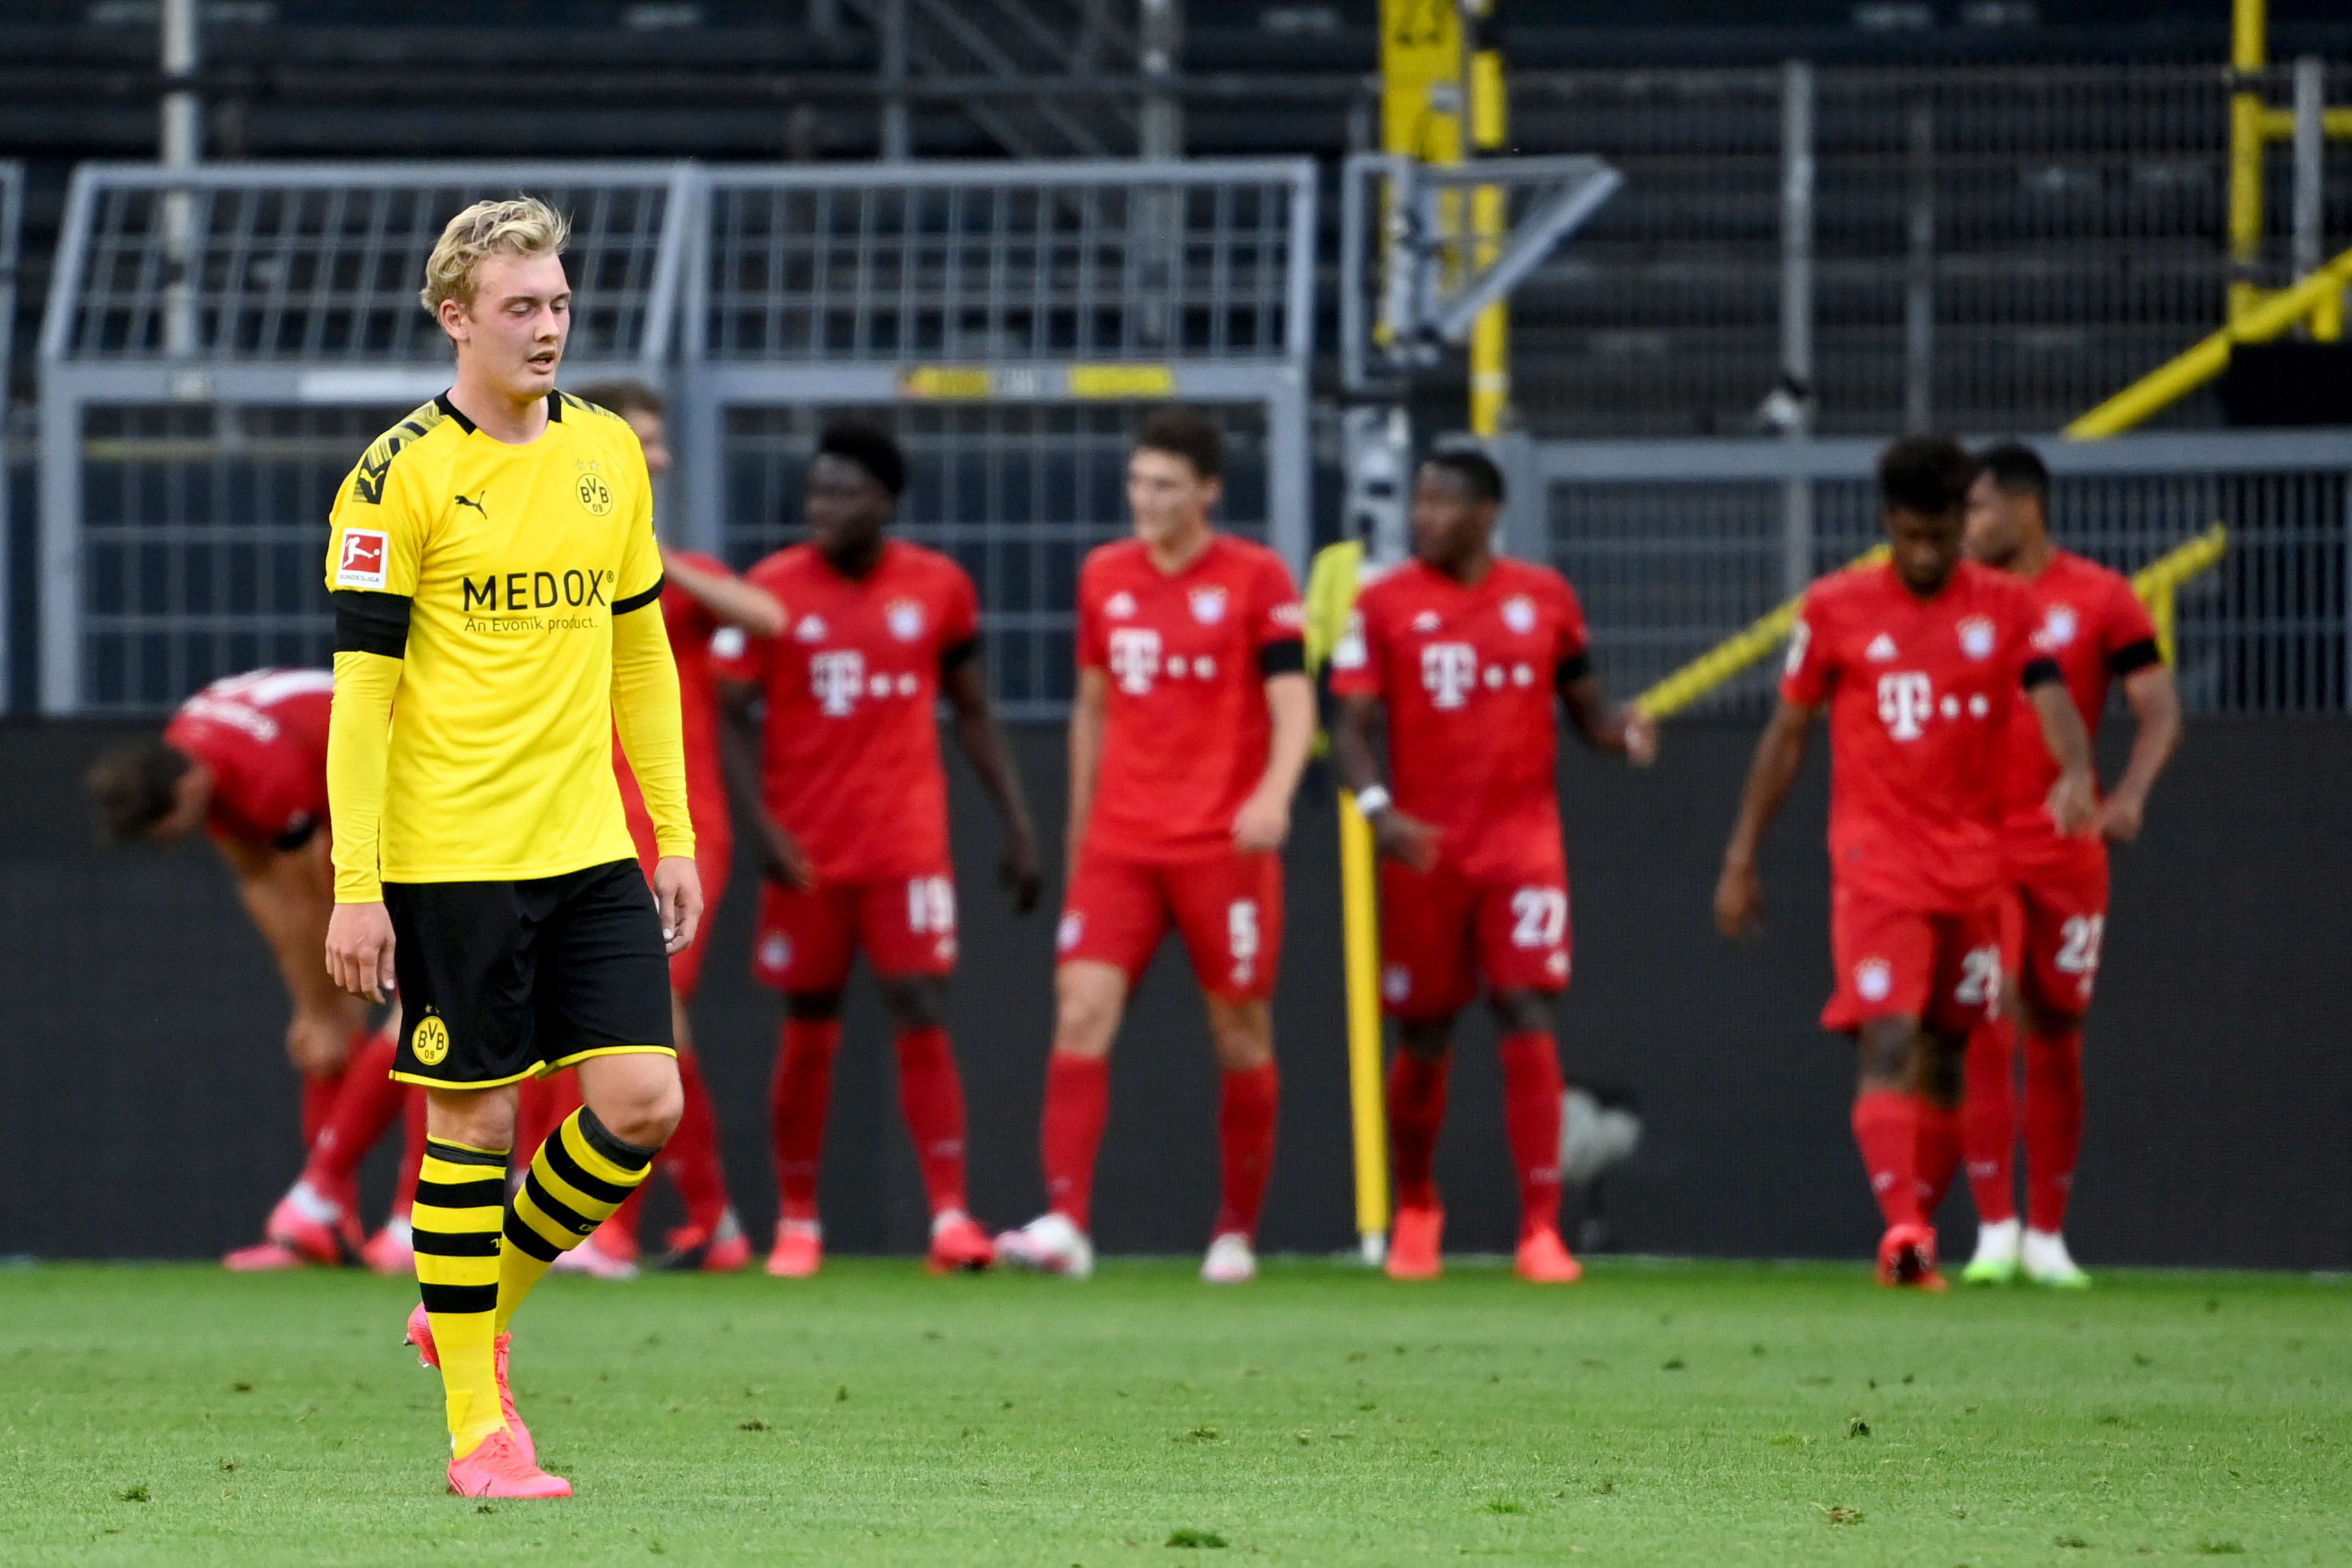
x=431 y=1041
x=595 y=494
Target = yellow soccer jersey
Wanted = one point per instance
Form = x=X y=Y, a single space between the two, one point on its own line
x=499 y=577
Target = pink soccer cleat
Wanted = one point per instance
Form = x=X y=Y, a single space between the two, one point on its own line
x=959 y=1246
x=1414 y=1242
x=328 y=1242
x=420 y=1334
x=597 y=1260
x=1544 y=1260
x=1906 y=1257
x=799 y=1251
x=392 y=1250
x=263 y=1258
x=499 y=1467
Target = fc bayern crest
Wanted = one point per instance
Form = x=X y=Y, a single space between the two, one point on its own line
x=2061 y=625
x=1519 y=614
x=1977 y=636
x=905 y=618
x=1208 y=605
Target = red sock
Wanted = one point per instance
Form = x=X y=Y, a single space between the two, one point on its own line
x=1246 y=1108
x=798 y=1098
x=2053 y=1122
x=1988 y=1121
x=1532 y=1088
x=930 y=1095
x=412 y=1155
x=1886 y=1128
x=319 y=1092
x=541 y=1108
x=1078 y=1107
x=691 y=1155
x=362 y=1113
x=1939 y=1154
x=1416 y=1110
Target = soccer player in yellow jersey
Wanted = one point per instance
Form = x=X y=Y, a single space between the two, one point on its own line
x=496 y=585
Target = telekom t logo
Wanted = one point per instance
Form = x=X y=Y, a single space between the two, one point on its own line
x=1134 y=657
x=836 y=678
x=1904 y=702
x=1449 y=670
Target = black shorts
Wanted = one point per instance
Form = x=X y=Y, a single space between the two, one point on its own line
x=504 y=981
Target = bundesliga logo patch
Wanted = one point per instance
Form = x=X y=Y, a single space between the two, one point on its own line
x=363 y=562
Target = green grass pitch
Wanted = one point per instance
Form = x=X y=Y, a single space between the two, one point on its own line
x=1656 y=1414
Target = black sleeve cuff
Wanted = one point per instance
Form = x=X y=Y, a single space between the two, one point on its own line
x=2133 y=657
x=962 y=653
x=371 y=622
x=1570 y=670
x=639 y=601
x=2041 y=672
x=1287 y=656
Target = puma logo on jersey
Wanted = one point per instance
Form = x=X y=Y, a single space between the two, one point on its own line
x=475 y=503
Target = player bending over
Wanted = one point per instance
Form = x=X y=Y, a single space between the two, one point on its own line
x=2054 y=906
x=851 y=803
x=1192 y=725
x=1465 y=652
x=495 y=579
x=1921 y=661
x=708 y=612
x=245 y=759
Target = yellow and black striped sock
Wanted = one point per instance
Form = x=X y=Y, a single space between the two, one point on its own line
x=580 y=1175
x=460 y=1205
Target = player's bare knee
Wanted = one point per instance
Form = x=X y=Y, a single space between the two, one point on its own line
x=476 y=1117
x=1088 y=1001
x=813 y=1006
x=644 y=1115
x=1428 y=1038
x=1242 y=1033
x=1523 y=1012
x=1884 y=1050
x=914 y=1002
x=1941 y=1067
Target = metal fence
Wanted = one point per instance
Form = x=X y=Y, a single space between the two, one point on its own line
x=1011 y=322
x=1675 y=544
x=220 y=344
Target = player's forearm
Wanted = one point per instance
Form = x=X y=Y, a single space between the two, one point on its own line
x=983 y=743
x=289 y=909
x=1600 y=721
x=645 y=710
x=1086 y=756
x=1779 y=755
x=2155 y=701
x=730 y=599
x=1291 y=702
x=1351 y=744
x=2062 y=730
x=359 y=752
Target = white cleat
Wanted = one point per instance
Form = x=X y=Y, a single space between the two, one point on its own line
x=1996 y=1259
x=1049 y=1244
x=595 y=1262
x=1231 y=1260
x=2047 y=1262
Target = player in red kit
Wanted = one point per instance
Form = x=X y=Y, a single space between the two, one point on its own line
x=1921 y=662
x=1468 y=654
x=707 y=612
x=1191 y=727
x=852 y=810
x=2055 y=898
x=245 y=759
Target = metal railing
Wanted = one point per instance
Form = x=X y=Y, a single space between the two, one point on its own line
x=1671 y=545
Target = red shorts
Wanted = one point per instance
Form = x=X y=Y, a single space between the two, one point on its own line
x=1227 y=909
x=710 y=860
x=806 y=938
x=1440 y=932
x=1934 y=965
x=2052 y=923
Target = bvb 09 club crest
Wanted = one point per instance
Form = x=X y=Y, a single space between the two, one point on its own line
x=430 y=1043
x=595 y=495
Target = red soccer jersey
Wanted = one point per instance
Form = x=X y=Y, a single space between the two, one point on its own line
x=2096 y=627
x=696 y=637
x=263 y=735
x=1468 y=675
x=1921 y=694
x=853 y=767
x=1186 y=737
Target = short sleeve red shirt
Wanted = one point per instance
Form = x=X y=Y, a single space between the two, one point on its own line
x=1469 y=677
x=852 y=766
x=2093 y=625
x=1186 y=737
x=263 y=737
x=696 y=636
x=1921 y=694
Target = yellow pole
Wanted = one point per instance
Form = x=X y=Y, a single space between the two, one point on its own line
x=1367 y=1103
x=2249 y=51
x=1490 y=335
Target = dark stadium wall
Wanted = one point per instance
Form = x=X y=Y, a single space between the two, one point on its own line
x=150 y=1112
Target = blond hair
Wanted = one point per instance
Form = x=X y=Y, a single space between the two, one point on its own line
x=522 y=227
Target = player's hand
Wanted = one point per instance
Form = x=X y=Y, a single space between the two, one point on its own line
x=359 y=949
x=1405 y=838
x=1020 y=874
x=677 y=895
x=317 y=1044
x=2074 y=804
x=1262 y=822
x=1641 y=738
x=786 y=862
x=2120 y=818
x=1738 y=899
